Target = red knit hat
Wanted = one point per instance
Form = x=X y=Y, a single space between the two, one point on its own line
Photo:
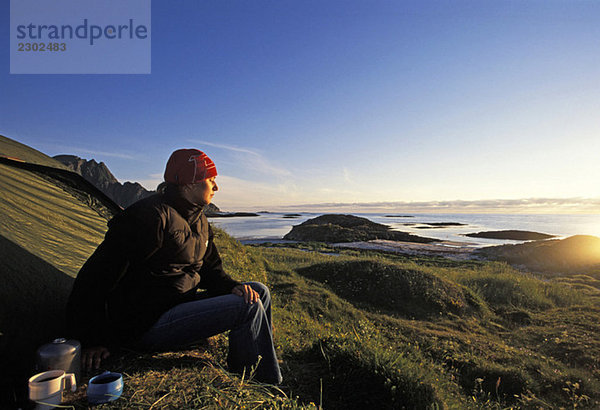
x=188 y=166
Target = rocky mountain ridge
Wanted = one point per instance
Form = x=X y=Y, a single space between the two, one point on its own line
x=99 y=175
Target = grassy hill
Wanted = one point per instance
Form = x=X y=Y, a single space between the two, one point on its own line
x=355 y=329
x=574 y=254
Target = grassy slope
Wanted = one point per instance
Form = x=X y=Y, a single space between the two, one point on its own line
x=524 y=343
x=576 y=254
x=459 y=358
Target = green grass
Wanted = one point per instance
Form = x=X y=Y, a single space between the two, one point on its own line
x=482 y=360
x=187 y=379
x=343 y=354
x=411 y=293
x=500 y=285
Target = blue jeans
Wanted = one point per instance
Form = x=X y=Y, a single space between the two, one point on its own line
x=249 y=324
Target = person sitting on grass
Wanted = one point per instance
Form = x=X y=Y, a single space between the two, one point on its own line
x=140 y=288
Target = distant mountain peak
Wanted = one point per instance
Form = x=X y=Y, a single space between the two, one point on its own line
x=99 y=175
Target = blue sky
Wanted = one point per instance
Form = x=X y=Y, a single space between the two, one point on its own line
x=345 y=102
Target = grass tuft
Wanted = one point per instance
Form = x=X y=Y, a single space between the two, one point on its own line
x=407 y=292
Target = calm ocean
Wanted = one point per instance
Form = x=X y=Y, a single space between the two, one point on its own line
x=273 y=226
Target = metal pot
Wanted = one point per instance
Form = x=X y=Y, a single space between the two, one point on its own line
x=61 y=354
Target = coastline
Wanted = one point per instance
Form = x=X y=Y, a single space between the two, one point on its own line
x=272 y=226
x=459 y=251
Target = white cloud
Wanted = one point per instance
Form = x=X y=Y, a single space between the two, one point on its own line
x=226 y=147
x=347 y=175
x=249 y=159
x=81 y=151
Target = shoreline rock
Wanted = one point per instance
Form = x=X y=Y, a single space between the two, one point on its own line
x=511 y=235
x=221 y=214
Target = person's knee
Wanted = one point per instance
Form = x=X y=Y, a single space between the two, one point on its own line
x=254 y=310
x=261 y=289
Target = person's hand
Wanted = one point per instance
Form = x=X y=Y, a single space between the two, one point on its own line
x=249 y=294
x=93 y=356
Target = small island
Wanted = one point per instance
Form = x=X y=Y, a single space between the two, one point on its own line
x=433 y=225
x=230 y=214
x=289 y=216
x=511 y=235
x=336 y=228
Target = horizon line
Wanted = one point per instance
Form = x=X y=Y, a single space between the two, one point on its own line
x=573 y=205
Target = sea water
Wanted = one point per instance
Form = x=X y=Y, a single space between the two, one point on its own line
x=273 y=226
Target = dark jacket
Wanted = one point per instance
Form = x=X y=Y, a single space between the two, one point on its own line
x=155 y=255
